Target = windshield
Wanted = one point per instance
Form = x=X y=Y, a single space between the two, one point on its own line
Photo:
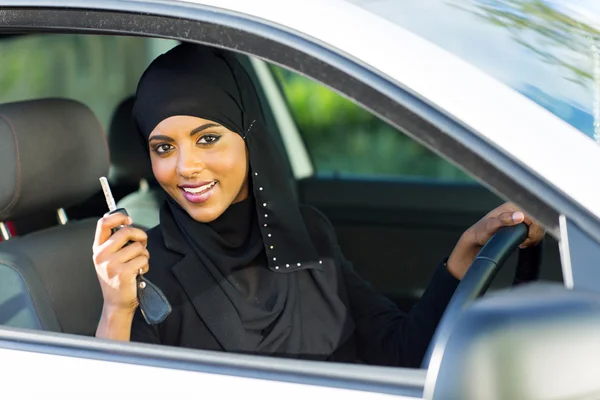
x=544 y=49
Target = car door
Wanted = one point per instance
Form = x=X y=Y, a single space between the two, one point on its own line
x=71 y=367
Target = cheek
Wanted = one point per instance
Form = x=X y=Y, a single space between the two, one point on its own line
x=231 y=164
x=163 y=169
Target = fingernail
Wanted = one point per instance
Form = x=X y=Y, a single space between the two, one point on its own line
x=129 y=220
x=518 y=216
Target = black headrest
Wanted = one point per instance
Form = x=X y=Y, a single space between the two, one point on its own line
x=129 y=156
x=52 y=152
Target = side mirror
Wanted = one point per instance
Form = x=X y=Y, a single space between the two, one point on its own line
x=538 y=342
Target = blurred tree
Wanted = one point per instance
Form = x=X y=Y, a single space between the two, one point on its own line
x=343 y=138
x=97 y=70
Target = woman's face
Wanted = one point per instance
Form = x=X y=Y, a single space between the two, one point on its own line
x=202 y=165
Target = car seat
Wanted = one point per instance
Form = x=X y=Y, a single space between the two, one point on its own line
x=52 y=153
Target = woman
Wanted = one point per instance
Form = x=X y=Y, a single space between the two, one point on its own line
x=245 y=268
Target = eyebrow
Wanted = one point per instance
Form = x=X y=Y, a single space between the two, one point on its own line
x=161 y=137
x=203 y=127
x=192 y=133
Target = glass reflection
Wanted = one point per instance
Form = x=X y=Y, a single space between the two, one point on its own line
x=550 y=32
x=541 y=48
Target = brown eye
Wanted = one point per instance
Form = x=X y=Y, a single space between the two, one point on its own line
x=162 y=148
x=209 y=139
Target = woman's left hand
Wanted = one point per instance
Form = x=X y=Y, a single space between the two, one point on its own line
x=473 y=239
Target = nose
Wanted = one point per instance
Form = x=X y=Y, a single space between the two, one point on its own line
x=189 y=163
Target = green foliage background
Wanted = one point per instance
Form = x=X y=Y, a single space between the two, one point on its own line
x=342 y=138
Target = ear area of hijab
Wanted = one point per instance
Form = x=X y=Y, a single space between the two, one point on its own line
x=249 y=130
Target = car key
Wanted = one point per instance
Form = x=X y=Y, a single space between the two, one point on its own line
x=110 y=202
x=153 y=303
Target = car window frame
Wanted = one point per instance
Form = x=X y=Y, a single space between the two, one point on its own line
x=403 y=382
x=295 y=147
x=401 y=108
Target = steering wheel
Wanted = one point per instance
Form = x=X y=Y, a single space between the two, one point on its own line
x=475 y=283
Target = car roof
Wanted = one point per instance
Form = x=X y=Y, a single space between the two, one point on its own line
x=531 y=135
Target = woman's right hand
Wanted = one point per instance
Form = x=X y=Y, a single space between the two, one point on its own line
x=117 y=265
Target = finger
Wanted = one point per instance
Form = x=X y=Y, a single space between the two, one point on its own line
x=132 y=268
x=535 y=235
x=130 y=252
x=511 y=218
x=106 y=224
x=120 y=239
x=503 y=208
x=529 y=221
x=526 y=243
x=128 y=271
x=492 y=224
x=123 y=236
x=536 y=231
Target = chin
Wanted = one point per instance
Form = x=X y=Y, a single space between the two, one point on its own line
x=202 y=212
x=205 y=215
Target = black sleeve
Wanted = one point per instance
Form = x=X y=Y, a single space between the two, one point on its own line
x=385 y=335
x=141 y=331
x=388 y=336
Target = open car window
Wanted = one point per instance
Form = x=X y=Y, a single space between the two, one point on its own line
x=348 y=146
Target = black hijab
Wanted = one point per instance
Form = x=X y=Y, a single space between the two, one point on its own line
x=258 y=251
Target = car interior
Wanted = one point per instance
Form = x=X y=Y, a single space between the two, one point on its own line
x=59 y=135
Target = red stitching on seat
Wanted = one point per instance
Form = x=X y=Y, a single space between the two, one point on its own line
x=11 y=229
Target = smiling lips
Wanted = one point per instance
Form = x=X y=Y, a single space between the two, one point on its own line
x=198 y=193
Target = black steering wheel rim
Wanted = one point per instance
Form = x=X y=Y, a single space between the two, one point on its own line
x=475 y=283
